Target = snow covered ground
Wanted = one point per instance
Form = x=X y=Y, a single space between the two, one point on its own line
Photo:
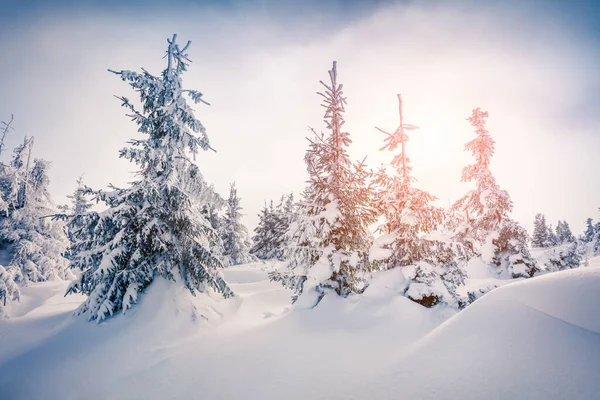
x=532 y=339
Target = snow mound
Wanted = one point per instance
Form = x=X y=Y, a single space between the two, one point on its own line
x=533 y=339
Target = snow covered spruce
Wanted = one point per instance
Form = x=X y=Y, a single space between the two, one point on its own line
x=270 y=240
x=431 y=266
x=483 y=224
x=154 y=227
x=328 y=241
x=236 y=244
x=32 y=245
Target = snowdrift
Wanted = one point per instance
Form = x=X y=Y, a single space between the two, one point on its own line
x=532 y=339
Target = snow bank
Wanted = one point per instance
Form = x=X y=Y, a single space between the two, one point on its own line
x=534 y=339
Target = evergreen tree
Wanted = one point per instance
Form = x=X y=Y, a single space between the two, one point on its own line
x=589 y=233
x=540 y=231
x=487 y=209
x=274 y=221
x=13 y=179
x=155 y=226
x=596 y=239
x=511 y=254
x=563 y=233
x=9 y=291
x=233 y=233
x=551 y=238
x=564 y=257
x=430 y=266
x=37 y=243
x=79 y=202
x=329 y=241
x=79 y=205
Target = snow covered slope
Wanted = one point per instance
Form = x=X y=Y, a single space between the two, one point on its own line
x=534 y=339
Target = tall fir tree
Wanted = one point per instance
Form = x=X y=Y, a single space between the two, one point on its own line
x=540 y=231
x=487 y=209
x=329 y=240
x=409 y=215
x=154 y=227
x=236 y=245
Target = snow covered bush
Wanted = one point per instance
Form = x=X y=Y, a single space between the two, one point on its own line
x=9 y=291
x=567 y=256
x=329 y=240
x=511 y=257
x=430 y=284
x=154 y=227
x=233 y=233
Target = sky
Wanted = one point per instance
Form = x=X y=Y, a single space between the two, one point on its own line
x=533 y=65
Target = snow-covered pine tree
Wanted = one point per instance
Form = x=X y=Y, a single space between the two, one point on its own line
x=236 y=245
x=210 y=209
x=563 y=232
x=487 y=209
x=551 y=238
x=13 y=179
x=37 y=244
x=329 y=239
x=596 y=239
x=269 y=240
x=430 y=266
x=564 y=257
x=155 y=226
x=263 y=243
x=588 y=234
x=80 y=204
x=540 y=231
x=9 y=291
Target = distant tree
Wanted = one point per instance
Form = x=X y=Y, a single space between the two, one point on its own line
x=37 y=242
x=540 y=231
x=511 y=254
x=596 y=239
x=270 y=242
x=9 y=291
x=236 y=245
x=551 y=238
x=155 y=226
x=80 y=205
x=564 y=257
x=487 y=209
x=589 y=233
x=563 y=232
x=329 y=240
